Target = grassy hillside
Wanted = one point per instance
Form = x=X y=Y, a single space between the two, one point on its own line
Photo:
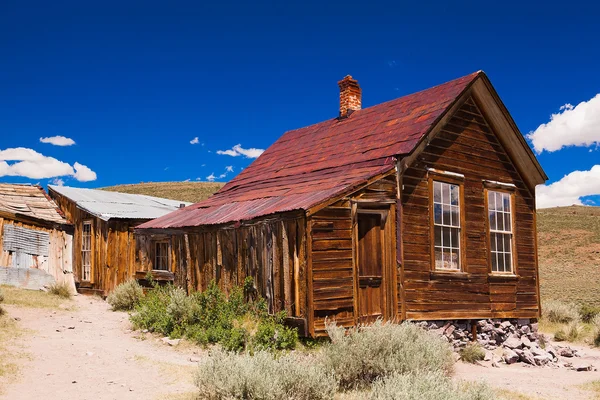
x=569 y=253
x=184 y=191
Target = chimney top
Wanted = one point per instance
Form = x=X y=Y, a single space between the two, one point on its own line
x=181 y=205
x=350 y=96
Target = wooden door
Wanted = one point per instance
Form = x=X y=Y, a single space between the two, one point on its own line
x=371 y=266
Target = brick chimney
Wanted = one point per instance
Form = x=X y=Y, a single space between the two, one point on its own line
x=350 y=96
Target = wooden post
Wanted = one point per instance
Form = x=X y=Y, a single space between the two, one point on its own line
x=188 y=264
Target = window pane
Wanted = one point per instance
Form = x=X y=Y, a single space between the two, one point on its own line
x=437 y=213
x=492 y=217
x=493 y=242
x=446 y=237
x=507 y=222
x=506 y=201
x=445 y=193
x=455 y=216
x=454 y=238
x=437 y=192
x=499 y=205
x=491 y=201
x=438 y=235
x=454 y=194
x=500 y=221
x=506 y=242
x=438 y=258
x=507 y=262
x=446 y=214
x=455 y=259
x=494 y=262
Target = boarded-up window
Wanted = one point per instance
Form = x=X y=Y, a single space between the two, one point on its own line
x=23 y=240
x=161 y=258
x=86 y=250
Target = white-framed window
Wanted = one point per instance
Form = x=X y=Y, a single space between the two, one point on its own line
x=86 y=251
x=446 y=226
x=161 y=255
x=501 y=231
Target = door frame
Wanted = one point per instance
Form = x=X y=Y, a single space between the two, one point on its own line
x=388 y=240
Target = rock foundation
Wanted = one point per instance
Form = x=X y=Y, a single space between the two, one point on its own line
x=506 y=341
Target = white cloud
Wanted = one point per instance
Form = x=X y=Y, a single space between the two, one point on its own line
x=29 y=163
x=569 y=189
x=57 y=182
x=195 y=140
x=238 y=150
x=229 y=168
x=211 y=177
x=571 y=126
x=83 y=173
x=58 y=140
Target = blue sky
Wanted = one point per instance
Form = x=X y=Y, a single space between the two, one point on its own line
x=132 y=83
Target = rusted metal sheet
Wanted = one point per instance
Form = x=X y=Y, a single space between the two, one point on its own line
x=307 y=166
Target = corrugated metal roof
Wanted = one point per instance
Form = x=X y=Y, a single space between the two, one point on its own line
x=307 y=166
x=106 y=205
x=30 y=201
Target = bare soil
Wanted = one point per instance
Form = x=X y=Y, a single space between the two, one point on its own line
x=91 y=353
x=538 y=382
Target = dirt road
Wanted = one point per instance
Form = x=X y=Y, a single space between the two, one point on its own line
x=91 y=354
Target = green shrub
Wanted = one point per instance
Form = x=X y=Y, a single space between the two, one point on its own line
x=587 y=313
x=151 y=312
x=360 y=356
x=427 y=385
x=271 y=334
x=472 y=352
x=125 y=296
x=560 y=335
x=558 y=311
x=262 y=376
x=61 y=289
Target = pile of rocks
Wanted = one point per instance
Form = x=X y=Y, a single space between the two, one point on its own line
x=508 y=341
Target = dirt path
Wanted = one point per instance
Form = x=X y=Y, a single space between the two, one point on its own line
x=91 y=354
x=535 y=382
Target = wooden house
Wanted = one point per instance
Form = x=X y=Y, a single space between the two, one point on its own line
x=35 y=238
x=104 y=251
x=419 y=208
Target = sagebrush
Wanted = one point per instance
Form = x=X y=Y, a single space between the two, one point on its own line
x=125 y=296
x=60 y=289
x=472 y=352
x=212 y=317
x=224 y=376
x=560 y=312
x=427 y=385
x=362 y=355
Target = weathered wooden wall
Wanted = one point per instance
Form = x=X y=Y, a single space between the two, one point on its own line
x=58 y=263
x=113 y=247
x=271 y=250
x=331 y=255
x=466 y=145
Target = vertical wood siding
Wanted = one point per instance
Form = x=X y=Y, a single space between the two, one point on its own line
x=332 y=258
x=467 y=145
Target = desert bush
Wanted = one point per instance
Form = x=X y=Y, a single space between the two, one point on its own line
x=427 y=385
x=587 y=313
x=272 y=334
x=360 y=356
x=61 y=289
x=596 y=330
x=262 y=376
x=472 y=352
x=125 y=296
x=561 y=312
x=151 y=311
x=1 y=296
x=570 y=333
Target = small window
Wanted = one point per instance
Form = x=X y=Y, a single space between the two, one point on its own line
x=161 y=256
x=501 y=231
x=446 y=226
x=86 y=251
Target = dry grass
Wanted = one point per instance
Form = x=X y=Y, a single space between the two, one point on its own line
x=35 y=299
x=569 y=254
x=172 y=373
x=184 y=191
x=505 y=394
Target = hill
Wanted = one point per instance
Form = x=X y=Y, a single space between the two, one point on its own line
x=569 y=253
x=184 y=191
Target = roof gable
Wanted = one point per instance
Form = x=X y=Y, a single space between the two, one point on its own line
x=307 y=166
x=107 y=205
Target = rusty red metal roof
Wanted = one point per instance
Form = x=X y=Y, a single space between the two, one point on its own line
x=310 y=165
